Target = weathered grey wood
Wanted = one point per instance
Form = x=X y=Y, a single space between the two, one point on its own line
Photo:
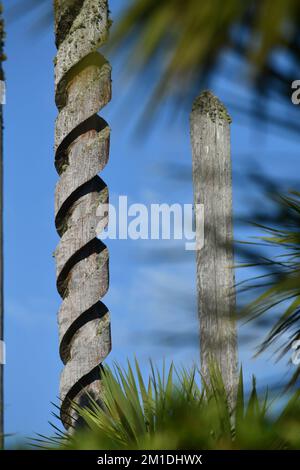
x=210 y=136
x=83 y=88
x=82 y=223
x=86 y=30
x=88 y=92
x=91 y=276
x=89 y=153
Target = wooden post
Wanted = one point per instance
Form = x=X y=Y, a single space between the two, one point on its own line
x=210 y=136
x=82 y=89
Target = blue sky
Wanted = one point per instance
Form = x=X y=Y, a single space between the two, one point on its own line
x=149 y=293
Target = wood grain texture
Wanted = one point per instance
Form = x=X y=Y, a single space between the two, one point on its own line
x=83 y=88
x=210 y=137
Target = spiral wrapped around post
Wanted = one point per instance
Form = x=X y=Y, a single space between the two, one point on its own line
x=82 y=89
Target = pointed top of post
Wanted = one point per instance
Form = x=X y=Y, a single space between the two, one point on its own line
x=208 y=103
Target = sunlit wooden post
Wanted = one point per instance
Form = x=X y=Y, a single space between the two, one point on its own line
x=82 y=89
x=210 y=137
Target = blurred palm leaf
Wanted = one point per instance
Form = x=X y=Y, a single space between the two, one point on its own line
x=281 y=283
x=181 y=45
x=184 y=41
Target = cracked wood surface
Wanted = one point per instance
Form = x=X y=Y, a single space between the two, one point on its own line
x=210 y=137
x=82 y=89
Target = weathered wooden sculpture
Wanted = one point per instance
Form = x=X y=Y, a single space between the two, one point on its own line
x=210 y=133
x=82 y=88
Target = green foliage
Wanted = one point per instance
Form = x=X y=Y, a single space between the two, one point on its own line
x=171 y=411
x=181 y=46
x=185 y=40
x=281 y=283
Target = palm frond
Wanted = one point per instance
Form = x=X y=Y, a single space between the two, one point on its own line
x=183 y=44
x=174 y=412
x=282 y=290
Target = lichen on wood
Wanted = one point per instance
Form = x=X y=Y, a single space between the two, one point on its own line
x=212 y=179
x=207 y=103
x=82 y=89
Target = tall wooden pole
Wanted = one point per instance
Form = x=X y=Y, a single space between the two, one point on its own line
x=82 y=89
x=210 y=136
x=2 y=57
